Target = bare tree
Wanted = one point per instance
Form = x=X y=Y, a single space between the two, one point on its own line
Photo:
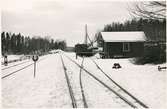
x=149 y=9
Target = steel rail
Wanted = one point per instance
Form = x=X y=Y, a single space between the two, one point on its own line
x=19 y=69
x=120 y=96
x=74 y=104
x=15 y=60
x=14 y=65
x=132 y=96
x=82 y=91
x=16 y=71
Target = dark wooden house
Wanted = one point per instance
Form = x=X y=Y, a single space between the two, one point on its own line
x=121 y=44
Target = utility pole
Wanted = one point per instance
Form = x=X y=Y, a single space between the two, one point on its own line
x=86 y=35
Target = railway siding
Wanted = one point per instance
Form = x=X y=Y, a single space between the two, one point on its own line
x=105 y=85
x=120 y=87
x=17 y=67
x=120 y=92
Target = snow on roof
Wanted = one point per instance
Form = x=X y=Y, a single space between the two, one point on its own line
x=129 y=36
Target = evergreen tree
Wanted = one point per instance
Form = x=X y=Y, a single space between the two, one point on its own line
x=18 y=44
x=154 y=29
x=3 y=41
x=8 y=44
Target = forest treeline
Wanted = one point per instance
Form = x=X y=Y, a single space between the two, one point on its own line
x=155 y=30
x=20 y=44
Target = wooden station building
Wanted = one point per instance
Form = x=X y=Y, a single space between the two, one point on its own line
x=121 y=44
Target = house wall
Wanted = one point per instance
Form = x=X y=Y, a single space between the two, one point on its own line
x=115 y=49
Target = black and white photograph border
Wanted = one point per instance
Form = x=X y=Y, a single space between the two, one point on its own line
x=83 y=54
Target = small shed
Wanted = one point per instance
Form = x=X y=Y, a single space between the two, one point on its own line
x=122 y=44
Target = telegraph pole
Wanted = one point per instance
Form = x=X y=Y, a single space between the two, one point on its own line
x=86 y=35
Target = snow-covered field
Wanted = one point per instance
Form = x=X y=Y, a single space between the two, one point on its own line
x=49 y=88
x=13 y=57
x=145 y=81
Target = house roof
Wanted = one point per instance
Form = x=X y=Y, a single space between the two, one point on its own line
x=129 y=36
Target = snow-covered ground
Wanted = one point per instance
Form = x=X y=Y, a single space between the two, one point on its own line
x=49 y=88
x=97 y=96
x=144 y=81
x=13 y=57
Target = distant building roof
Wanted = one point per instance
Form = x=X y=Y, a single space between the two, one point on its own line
x=128 y=36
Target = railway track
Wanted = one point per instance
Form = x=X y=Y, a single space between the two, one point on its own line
x=74 y=104
x=73 y=100
x=120 y=87
x=82 y=90
x=3 y=77
x=131 y=103
x=16 y=71
x=15 y=60
x=14 y=65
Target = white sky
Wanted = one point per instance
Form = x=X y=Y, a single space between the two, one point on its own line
x=61 y=19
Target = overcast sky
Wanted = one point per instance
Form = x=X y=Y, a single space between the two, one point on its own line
x=61 y=19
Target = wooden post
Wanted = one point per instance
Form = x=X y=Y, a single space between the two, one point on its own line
x=34 y=68
x=5 y=60
x=76 y=56
x=35 y=58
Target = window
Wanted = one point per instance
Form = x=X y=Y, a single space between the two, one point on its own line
x=126 y=47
